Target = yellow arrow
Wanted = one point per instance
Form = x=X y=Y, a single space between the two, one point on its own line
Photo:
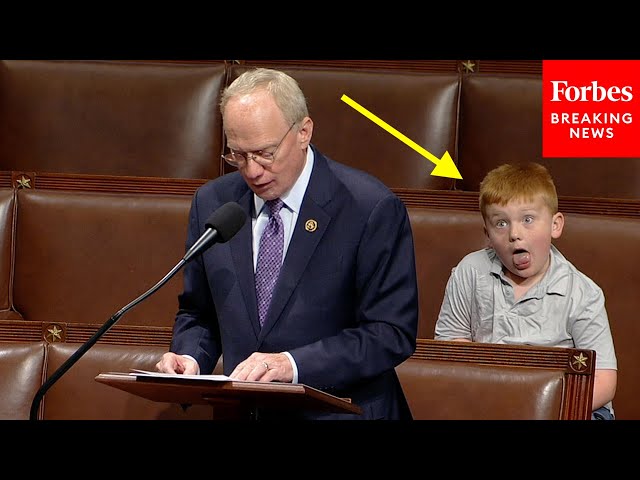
x=444 y=166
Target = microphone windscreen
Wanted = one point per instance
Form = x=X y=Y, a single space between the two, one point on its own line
x=226 y=220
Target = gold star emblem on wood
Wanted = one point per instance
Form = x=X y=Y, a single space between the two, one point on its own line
x=468 y=66
x=54 y=334
x=23 y=182
x=579 y=362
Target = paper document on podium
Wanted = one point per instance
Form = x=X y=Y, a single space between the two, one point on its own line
x=215 y=378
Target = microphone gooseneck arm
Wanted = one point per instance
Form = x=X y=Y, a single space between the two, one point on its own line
x=35 y=405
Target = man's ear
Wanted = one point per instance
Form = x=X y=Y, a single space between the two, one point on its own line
x=557 y=224
x=305 y=132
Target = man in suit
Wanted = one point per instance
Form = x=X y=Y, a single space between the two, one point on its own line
x=343 y=312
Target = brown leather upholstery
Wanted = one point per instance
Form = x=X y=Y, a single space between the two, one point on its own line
x=111 y=118
x=160 y=119
x=441 y=239
x=608 y=250
x=77 y=396
x=444 y=390
x=472 y=381
x=80 y=257
x=21 y=374
x=421 y=107
x=6 y=239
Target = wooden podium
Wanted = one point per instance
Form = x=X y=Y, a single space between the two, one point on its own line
x=231 y=400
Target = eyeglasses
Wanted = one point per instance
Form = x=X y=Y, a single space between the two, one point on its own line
x=261 y=157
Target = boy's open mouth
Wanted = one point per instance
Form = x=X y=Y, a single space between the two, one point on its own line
x=521 y=258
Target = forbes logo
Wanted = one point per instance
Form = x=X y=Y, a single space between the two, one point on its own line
x=594 y=93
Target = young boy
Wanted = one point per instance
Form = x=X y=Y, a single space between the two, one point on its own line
x=521 y=289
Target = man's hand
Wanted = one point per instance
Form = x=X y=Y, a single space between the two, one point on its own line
x=264 y=367
x=172 y=363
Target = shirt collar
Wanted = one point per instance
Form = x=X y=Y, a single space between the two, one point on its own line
x=557 y=278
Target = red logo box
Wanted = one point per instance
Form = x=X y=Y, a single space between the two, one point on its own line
x=590 y=108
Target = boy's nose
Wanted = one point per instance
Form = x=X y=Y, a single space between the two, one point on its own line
x=514 y=233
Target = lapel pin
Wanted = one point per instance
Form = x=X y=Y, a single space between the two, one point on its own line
x=311 y=225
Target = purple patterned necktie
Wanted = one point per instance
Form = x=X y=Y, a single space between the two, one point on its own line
x=269 y=258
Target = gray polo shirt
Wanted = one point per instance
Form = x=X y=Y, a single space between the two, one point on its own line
x=565 y=308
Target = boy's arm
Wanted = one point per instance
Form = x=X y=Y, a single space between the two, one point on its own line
x=454 y=319
x=591 y=330
x=604 y=388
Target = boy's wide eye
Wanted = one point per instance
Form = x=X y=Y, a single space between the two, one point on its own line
x=528 y=219
x=501 y=224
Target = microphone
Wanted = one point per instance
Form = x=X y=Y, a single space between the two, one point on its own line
x=221 y=226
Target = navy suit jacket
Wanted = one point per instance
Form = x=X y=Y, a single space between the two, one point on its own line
x=345 y=304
